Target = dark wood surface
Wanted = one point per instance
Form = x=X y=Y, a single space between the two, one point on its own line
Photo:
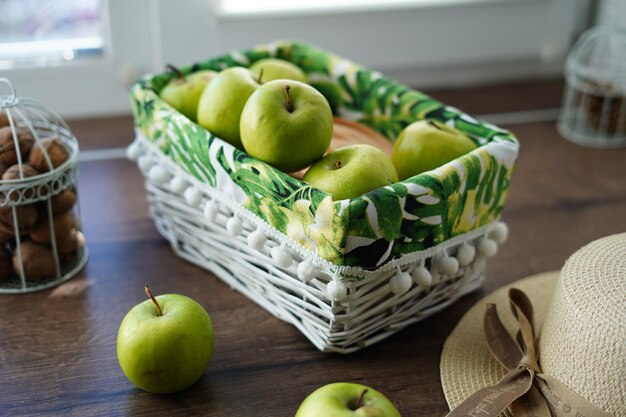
x=57 y=347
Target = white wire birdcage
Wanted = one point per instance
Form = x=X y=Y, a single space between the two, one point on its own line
x=594 y=104
x=41 y=243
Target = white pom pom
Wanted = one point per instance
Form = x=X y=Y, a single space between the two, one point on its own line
x=487 y=248
x=178 y=184
x=234 y=226
x=210 y=210
x=193 y=196
x=306 y=271
x=257 y=239
x=400 y=283
x=281 y=256
x=479 y=263
x=422 y=277
x=145 y=162
x=134 y=151
x=500 y=233
x=448 y=265
x=465 y=254
x=336 y=290
x=159 y=175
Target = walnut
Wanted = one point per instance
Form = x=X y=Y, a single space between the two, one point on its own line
x=68 y=247
x=63 y=202
x=8 y=156
x=3 y=169
x=4 y=119
x=56 y=150
x=13 y=172
x=37 y=261
x=63 y=226
x=26 y=218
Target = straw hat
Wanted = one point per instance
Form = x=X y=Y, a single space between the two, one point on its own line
x=582 y=343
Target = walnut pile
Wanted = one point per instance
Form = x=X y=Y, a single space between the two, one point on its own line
x=36 y=246
x=603 y=109
x=35 y=253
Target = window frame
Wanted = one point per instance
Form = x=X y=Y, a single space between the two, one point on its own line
x=410 y=44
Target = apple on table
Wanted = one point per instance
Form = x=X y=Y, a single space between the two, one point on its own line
x=345 y=399
x=164 y=344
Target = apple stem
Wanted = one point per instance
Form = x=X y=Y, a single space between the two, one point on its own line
x=179 y=73
x=359 y=401
x=338 y=164
x=149 y=294
x=260 y=76
x=433 y=124
x=289 y=103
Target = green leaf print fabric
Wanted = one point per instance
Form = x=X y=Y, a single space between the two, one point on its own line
x=367 y=231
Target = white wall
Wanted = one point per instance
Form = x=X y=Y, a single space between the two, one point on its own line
x=612 y=12
x=449 y=44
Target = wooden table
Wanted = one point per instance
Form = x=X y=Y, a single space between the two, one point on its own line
x=57 y=347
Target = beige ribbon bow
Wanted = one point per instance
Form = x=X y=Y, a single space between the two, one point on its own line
x=528 y=391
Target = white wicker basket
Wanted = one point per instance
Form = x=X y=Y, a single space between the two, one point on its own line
x=209 y=229
x=346 y=273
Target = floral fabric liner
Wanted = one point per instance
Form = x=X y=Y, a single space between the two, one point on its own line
x=367 y=231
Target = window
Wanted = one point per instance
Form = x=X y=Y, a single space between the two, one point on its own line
x=49 y=32
x=77 y=56
x=81 y=55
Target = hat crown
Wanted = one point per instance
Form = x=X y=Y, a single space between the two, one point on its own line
x=583 y=337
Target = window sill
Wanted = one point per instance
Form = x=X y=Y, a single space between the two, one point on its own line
x=277 y=9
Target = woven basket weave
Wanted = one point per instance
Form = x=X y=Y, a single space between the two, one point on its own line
x=375 y=287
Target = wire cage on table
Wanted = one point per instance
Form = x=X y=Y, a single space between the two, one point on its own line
x=41 y=243
x=594 y=104
x=346 y=273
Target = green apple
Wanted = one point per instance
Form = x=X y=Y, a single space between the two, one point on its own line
x=222 y=101
x=183 y=91
x=270 y=69
x=425 y=145
x=345 y=399
x=287 y=124
x=351 y=171
x=165 y=344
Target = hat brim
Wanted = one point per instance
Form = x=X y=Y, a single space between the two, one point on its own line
x=466 y=363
